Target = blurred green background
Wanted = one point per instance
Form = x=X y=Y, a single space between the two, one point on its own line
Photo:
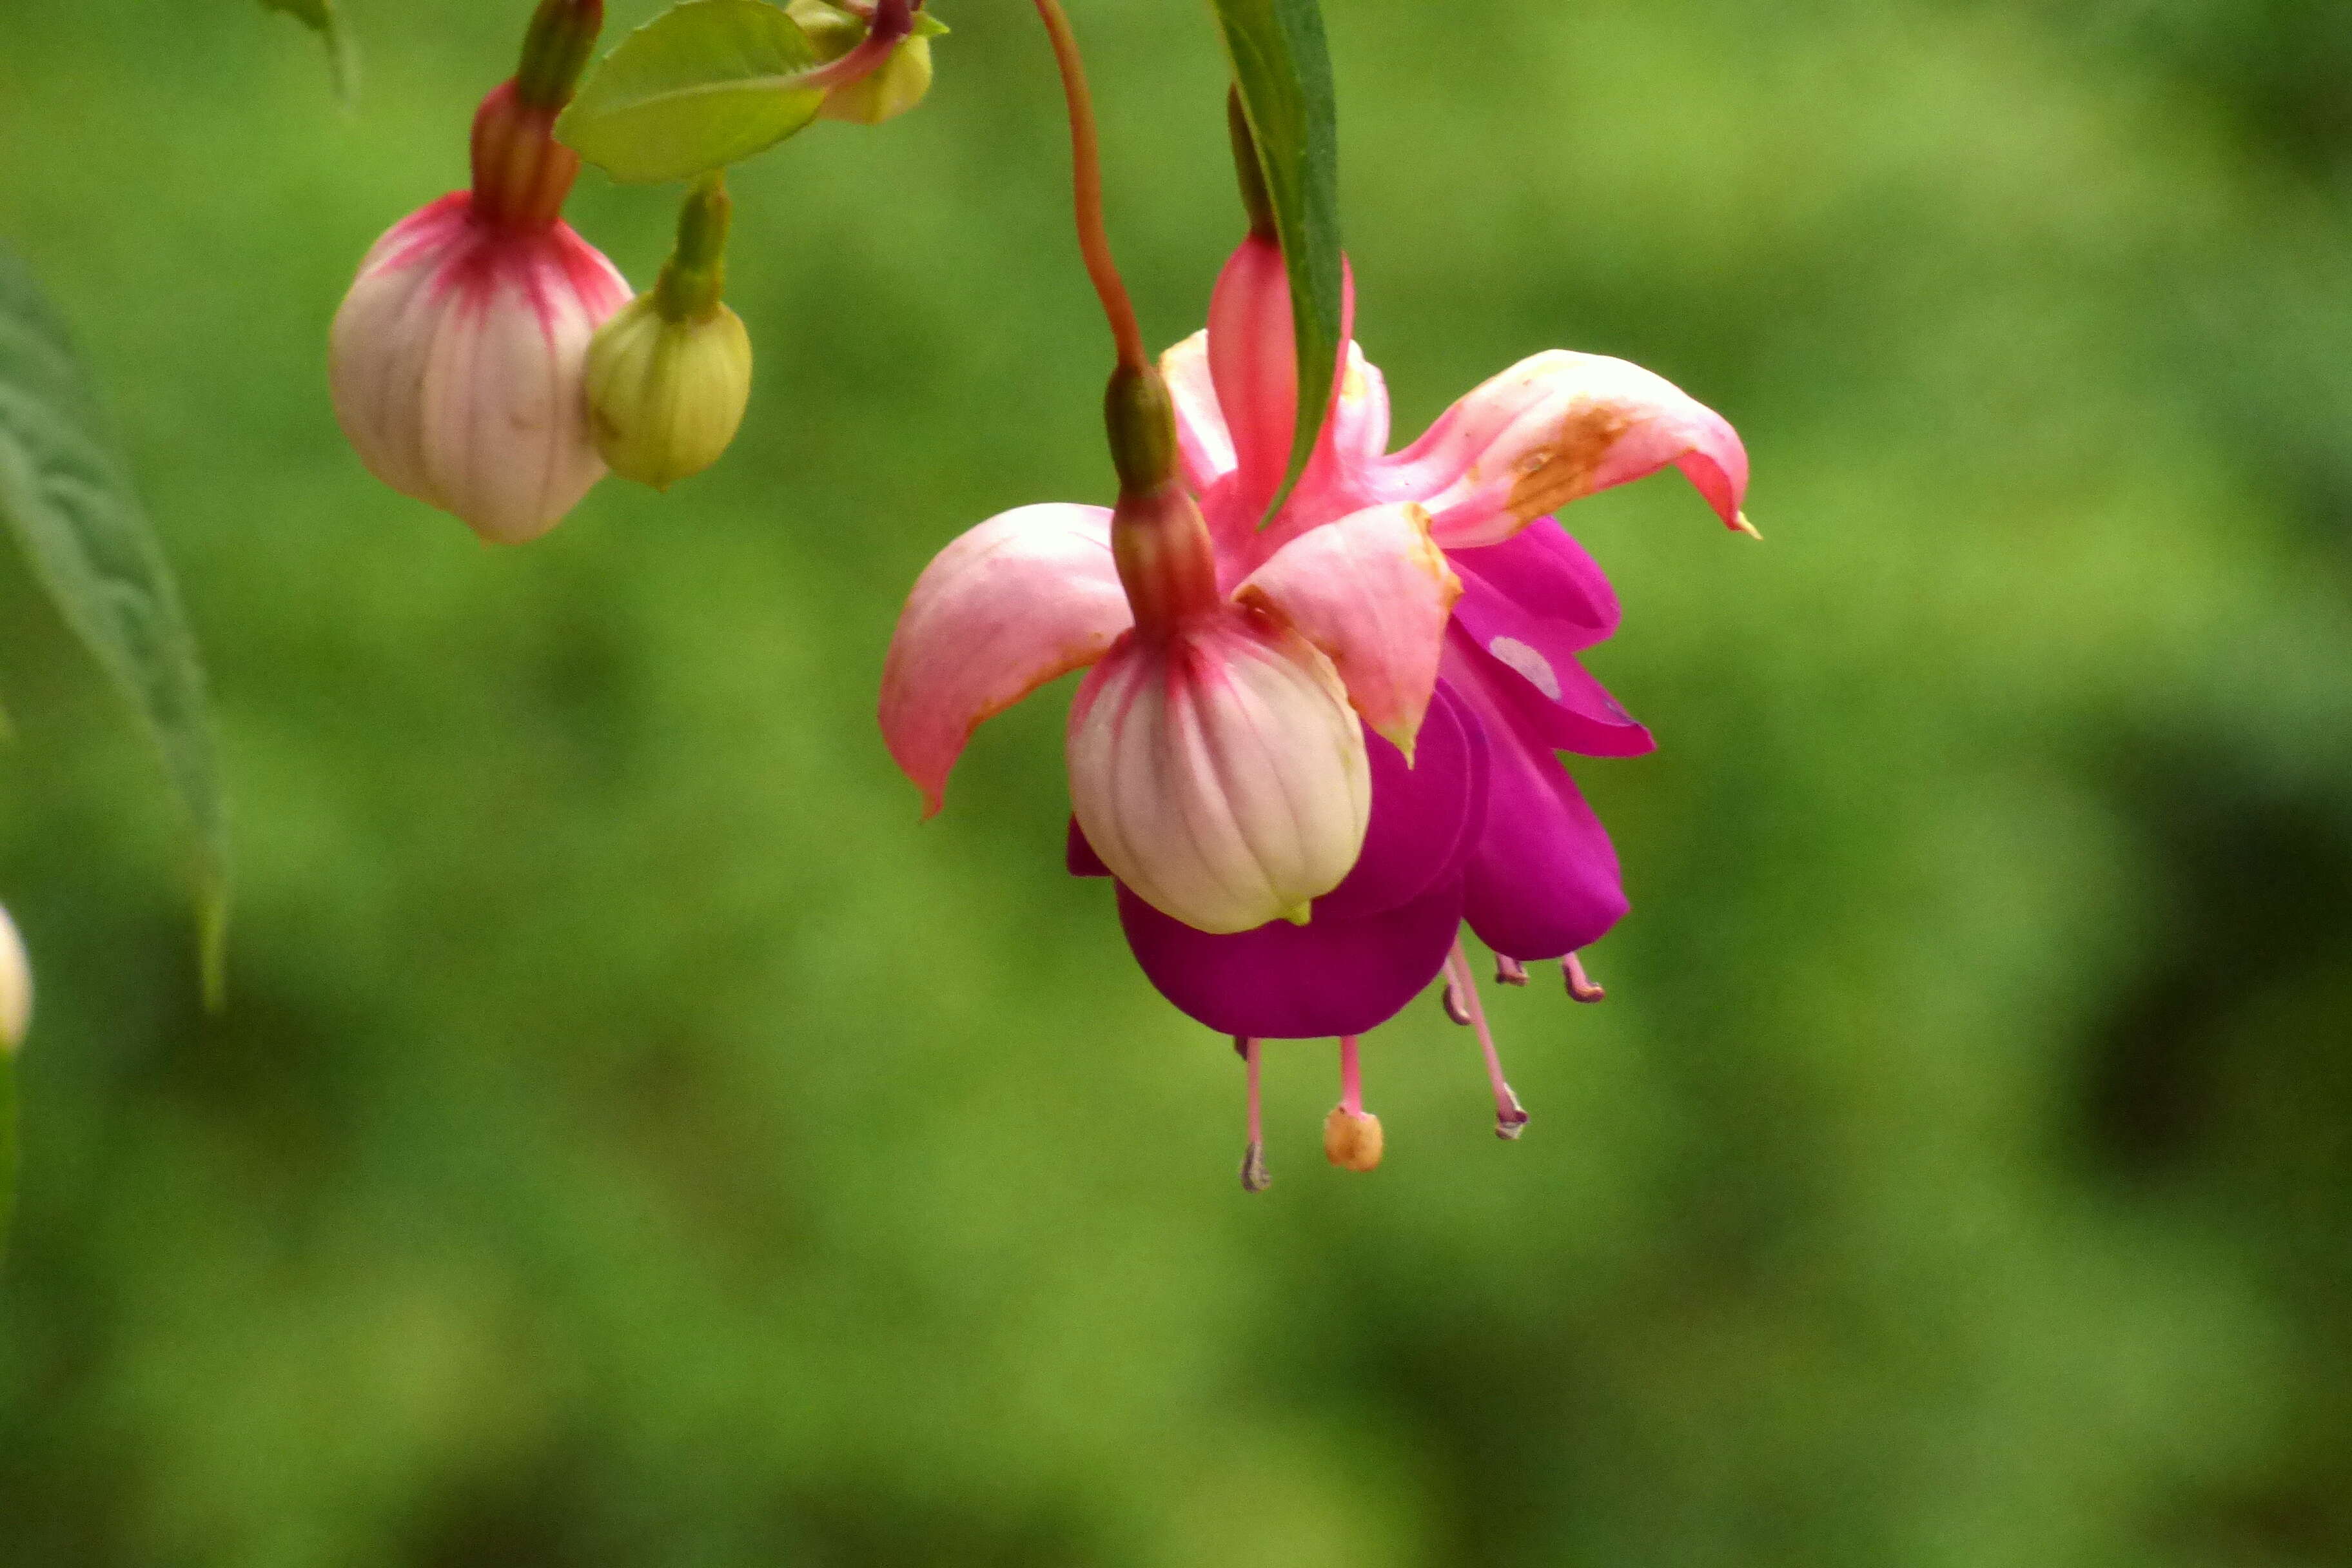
x=634 y=1139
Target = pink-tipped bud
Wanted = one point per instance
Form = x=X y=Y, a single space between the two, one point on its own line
x=457 y=363
x=1219 y=771
x=456 y=359
x=15 y=987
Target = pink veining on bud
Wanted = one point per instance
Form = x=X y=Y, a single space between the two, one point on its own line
x=457 y=359
x=1217 y=770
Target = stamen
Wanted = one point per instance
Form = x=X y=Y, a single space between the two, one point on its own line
x=1580 y=984
x=1509 y=970
x=1352 y=1136
x=1254 y=1176
x=1510 y=1116
x=1456 y=1008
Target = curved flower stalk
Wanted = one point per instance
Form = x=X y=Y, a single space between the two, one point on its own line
x=456 y=359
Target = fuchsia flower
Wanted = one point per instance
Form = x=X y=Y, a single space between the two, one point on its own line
x=1215 y=761
x=458 y=358
x=1472 y=816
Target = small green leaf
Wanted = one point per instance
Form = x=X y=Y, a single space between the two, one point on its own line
x=342 y=57
x=1284 y=71
x=65 y=491
x=699 y=87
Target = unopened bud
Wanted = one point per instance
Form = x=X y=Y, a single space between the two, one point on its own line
x=665 y=397
x=1351 y=1139
x=15 y=986
x=887 y=90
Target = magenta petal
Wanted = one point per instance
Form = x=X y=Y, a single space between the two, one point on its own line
x=1541 y=573
x=1425 y=816
x=1543 y=880
x=1549 y=691
x=1284 y=982
x=1079 y=855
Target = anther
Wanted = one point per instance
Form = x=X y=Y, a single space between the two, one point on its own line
x=1351 y=1136
x=1456 y=1008
x=1580 y=984
x=1509 y=970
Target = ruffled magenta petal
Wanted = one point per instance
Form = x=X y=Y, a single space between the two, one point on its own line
x=1545 y=574
x=1284 y=982
x=1548 y=686
x=1542 y=880
x=1425 y=816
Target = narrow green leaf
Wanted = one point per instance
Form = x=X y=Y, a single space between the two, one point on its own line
x=66 y=492
x=1284 y=71
x=699 y=87
x=343 y=55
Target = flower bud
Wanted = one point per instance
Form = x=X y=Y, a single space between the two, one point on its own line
x=457 y=357
x=890 y=88
x=15 y=986
x=665 y=397
x=669 y=377
x=1219 y=773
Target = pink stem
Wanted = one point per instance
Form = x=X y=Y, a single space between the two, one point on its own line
x=1351 y=1077
x=1510 y=1116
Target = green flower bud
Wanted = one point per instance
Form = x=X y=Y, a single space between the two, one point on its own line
x=890 y=88
x=15 y=986
x=665 y=397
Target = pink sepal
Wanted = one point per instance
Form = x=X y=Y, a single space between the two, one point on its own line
x=1027 y=595
x=1372 y=591
x=1550 y=430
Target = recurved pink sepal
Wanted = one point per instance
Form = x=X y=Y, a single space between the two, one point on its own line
x=1553 y=429
x=1027 y=595
x=1372 y=591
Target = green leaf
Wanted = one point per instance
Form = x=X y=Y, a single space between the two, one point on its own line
x=699 y=87
x=343 y=55
x=65 y=491
x=1284 y=71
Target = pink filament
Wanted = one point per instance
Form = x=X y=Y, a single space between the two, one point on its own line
x=1351 y=1077
x=1510 y=1116
x=1580 y=985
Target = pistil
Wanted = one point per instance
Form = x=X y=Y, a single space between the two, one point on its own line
x=1253 y=1174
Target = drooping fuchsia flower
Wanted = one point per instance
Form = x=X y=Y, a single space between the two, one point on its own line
x=456 y=359
x=1472 y=816
x=1512 y=849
